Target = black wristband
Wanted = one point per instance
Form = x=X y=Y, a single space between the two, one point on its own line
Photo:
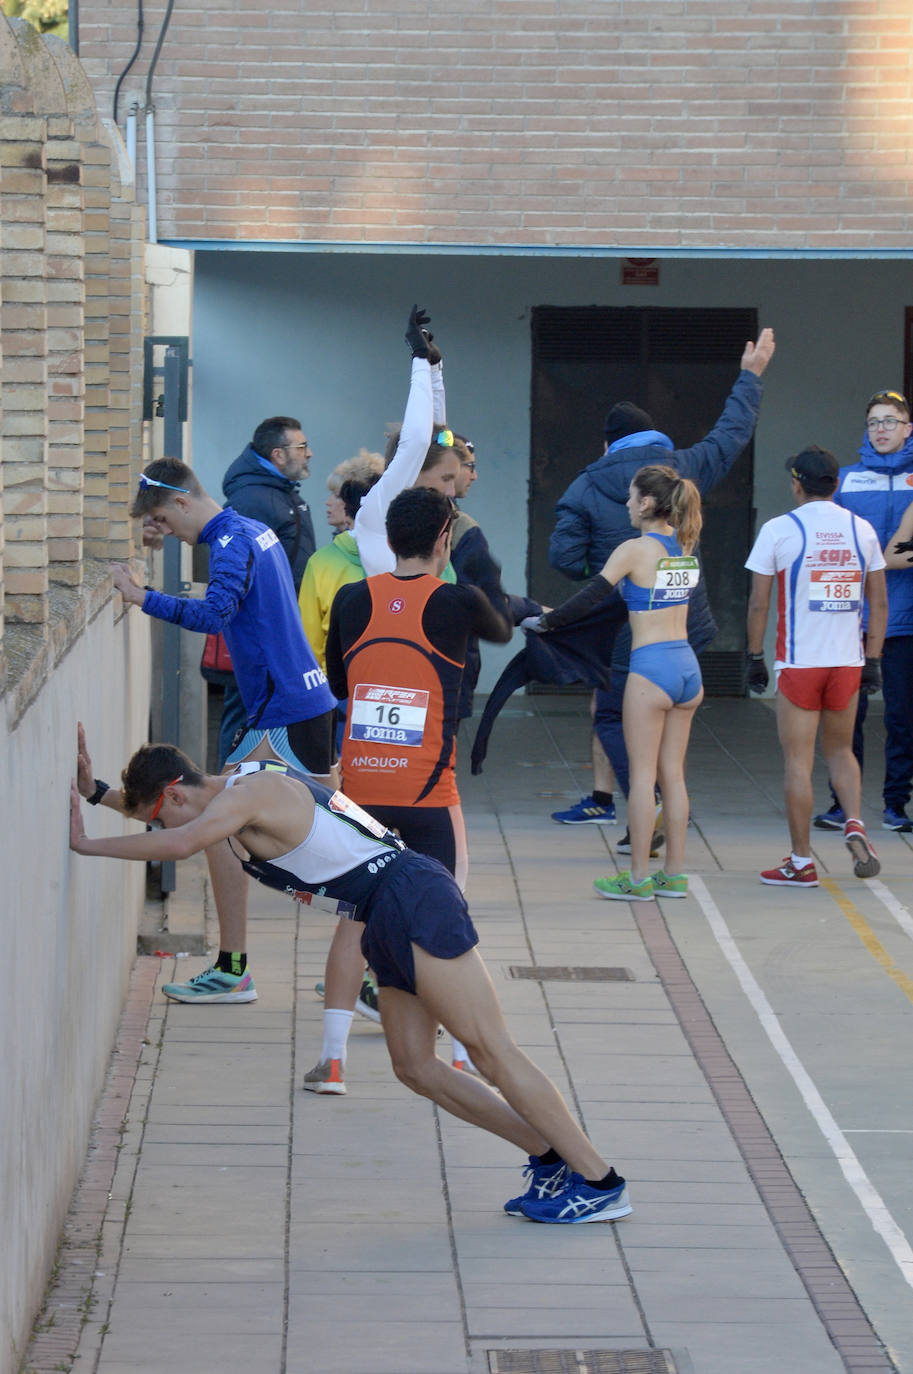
x=100 y=789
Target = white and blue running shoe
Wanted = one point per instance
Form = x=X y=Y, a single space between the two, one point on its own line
x=577 y=1202
x=544 y=1181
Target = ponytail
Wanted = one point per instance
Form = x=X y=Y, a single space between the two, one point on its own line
x=685 y=515
x=675 y=499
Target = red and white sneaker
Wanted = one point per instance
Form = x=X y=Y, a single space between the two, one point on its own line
x=866 y=863
x=787 y=875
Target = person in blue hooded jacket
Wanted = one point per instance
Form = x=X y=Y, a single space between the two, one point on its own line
x=291 y=712
x=592 y=521
x=879 y=488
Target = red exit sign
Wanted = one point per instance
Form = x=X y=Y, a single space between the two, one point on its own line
x=640 y=272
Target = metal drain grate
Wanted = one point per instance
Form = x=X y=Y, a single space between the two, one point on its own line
x=562 y=973
x=581 y=1362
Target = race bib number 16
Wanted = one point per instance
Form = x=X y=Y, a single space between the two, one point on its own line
x=388 y=715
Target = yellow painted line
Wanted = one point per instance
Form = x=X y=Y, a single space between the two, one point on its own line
x=869 y=938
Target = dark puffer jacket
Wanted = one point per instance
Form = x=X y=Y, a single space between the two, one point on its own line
x=592 y=516
x=259 y=494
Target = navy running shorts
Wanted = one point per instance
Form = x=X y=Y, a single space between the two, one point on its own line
x=417 y=901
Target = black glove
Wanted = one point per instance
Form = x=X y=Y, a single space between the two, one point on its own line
x=434 y=353
x=905 y=546
x=757 y=675
x=416 y=337
x=871 y=677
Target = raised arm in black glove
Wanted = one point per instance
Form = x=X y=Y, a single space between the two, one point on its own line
x=871 y=677
x=757 y=675
x=434 y=353
x=416 y=335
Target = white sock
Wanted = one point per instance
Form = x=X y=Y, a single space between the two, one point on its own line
x=336 y=1026
x=799 y=861
x=460 y=1052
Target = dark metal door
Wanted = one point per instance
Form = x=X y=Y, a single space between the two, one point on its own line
x=679 y=365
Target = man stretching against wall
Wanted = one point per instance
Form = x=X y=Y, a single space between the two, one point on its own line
x=416 y=934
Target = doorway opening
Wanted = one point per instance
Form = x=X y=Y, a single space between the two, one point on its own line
x=679 y=365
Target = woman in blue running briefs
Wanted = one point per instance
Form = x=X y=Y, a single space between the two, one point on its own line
x=656 y=575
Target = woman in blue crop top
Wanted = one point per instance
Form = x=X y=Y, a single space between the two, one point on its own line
x=656 y=574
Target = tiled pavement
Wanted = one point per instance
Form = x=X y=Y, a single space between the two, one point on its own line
x=252 y=1226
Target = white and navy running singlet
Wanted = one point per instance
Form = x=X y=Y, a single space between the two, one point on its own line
x=820 y=555
x=343 y=856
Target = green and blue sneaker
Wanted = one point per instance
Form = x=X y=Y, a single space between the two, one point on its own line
x=623 y=889
x=670 y=884
x=213 y=985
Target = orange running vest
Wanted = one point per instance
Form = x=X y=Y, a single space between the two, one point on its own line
x=399 y=745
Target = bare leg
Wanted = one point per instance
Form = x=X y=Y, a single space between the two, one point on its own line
x=797 y=730
x=345 y=967
x=603 y=777
x=459 y=993
x=671 y=773
x=229 y=890
x=644 y=711
x=461 y=863
x=842 y=764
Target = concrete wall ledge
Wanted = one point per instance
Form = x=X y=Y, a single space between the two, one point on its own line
x=30 y=653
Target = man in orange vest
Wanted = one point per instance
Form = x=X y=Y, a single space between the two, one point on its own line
x=396 y=648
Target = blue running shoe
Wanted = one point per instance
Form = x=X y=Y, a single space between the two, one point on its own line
x=896 y=820
x=577 y=1202
x=586 y=812
x=544 y=1181
x=831 y=819
x=212 y=985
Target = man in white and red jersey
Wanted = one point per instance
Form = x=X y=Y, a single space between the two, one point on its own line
x=826 y=562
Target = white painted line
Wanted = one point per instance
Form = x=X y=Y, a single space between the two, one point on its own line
x=869 y=1198
x=897 y=909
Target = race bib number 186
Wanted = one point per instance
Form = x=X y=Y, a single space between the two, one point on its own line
x=830 y=590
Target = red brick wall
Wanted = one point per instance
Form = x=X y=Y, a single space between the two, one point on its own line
x=635 y=123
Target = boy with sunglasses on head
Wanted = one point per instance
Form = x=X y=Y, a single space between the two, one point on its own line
x=879 y=488
x=290 y=708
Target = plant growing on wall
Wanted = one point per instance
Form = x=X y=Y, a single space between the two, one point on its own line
x=47 y=16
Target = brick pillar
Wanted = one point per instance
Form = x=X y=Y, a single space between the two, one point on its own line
x=65 y=302
x=23 y=335
x=125 y=351
x=99 y=517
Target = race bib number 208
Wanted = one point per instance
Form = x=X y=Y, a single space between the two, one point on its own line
x=675 y=579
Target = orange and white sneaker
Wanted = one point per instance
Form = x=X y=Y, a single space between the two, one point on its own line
x=787 y=875
x=326 y=1077
x=866 y=863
